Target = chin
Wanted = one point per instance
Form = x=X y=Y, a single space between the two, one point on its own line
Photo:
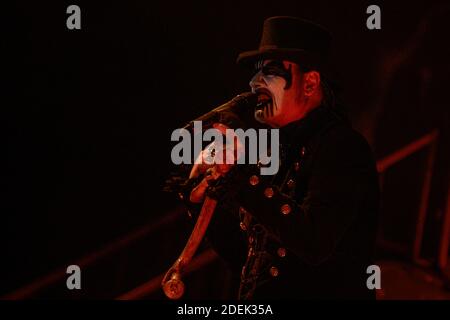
x=273 y=123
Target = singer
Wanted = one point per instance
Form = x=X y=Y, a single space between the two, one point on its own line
x=308 y=231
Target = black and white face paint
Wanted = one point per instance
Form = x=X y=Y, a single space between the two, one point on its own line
x=273 y=83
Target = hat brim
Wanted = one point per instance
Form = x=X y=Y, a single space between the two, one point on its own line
x=303 y=58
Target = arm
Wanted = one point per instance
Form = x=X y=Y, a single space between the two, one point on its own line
x=223 y=232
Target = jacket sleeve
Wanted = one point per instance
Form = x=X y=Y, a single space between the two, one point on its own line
x=342 y=177
x=223 y=233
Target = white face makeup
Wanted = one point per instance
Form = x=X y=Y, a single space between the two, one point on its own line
x=278 y=86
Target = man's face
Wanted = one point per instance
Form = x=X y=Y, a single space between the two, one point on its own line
x=279 y=86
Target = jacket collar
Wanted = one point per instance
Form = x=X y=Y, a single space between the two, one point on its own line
x=300 y=131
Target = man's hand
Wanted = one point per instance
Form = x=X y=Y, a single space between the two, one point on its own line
x=209 y=168
x=212 y=176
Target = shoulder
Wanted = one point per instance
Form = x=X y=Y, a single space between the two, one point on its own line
x=344 y=135
x=340 y=142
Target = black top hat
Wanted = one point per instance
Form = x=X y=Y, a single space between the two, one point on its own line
x=293 y=39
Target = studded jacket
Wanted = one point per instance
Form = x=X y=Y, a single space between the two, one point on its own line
x=308 y=231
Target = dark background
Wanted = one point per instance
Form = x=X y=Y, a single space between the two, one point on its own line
x=88 y=116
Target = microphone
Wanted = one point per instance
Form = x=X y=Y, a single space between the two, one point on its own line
x=241 y=103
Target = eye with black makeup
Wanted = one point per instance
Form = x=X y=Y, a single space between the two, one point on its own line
x=276 y=68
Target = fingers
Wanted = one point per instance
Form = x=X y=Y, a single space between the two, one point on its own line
x=212 y=174
x=198 y=193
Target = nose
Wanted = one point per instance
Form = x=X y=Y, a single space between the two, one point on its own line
x=256 y=81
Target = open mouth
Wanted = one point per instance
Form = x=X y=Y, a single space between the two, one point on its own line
x=264 y=99
x=264 y=106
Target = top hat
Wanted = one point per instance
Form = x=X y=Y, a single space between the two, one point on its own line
x=292 y=39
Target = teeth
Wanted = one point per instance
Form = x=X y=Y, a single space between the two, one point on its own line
x=263 y=103
x=259 y=116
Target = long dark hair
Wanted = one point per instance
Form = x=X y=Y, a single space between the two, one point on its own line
x=331 y=100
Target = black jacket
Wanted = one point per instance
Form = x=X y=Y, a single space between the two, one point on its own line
x=309 y=231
